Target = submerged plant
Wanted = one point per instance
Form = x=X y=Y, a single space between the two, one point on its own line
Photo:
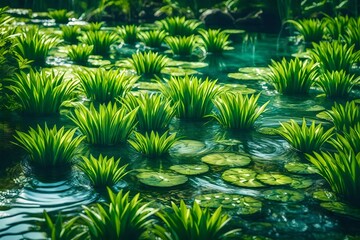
x=103 y=172
x=100 y=40
x=50 y=148
x=192 y=96
x=179 y=26
x=107 y=125
x=303 y=138
x=153 y=144
x=311 y=30
x=128 y=33
x=214 y=41
x=42 y=93
x=344 y=116
x=152 y=39
x=80 y=53
x=292 y=77
x=147 y=63
x=193 y=223
x=182 y=46
x=236 y=111
x=70 y=33
x=104 y=85
x=60 y=15
x=122 y=218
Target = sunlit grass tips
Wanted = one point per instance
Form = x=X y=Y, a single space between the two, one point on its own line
x=128 y=33
x=344 y=116
x=80 y=53
x=152 y=39
x=60 y=15
x=214 y=40
x=179 y=26
x=147 y=63
x=100 y=40
x=70 y=33
x=311 y=30
x=182 y=46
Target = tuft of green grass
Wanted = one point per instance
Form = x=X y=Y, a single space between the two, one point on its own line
x=193 y=223
x=311 y=30
x=214 y=40
x=100 y=40
x=304 y=138
x=128 y=33
x=147 y=63
x=60 y=15
x=152 y=39
x=191 y=96
x=336 y=27
x=292 y=77
x=93 y=26
x=50 y=148
x=70 y=34
x=80 y=53
x=102 y=172
x=179 y=26
x=344 y=116
x=352 y=34
x=349 y=140
x=181 y=46
x=236 y=111
x=108 y=125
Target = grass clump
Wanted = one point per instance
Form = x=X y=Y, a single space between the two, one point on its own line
x=93 y=26
x=181 y=46
x=100 y=40
x=60 y=15
x=50 y=148
x=311 y=30
x=344 y=116
x=193 y=223
x=352 y=34
x=179 y=26
x=348 y=140
x=305 y=139
x=128 y=33
x=191 y=96
x=214 y=40
x=70 y=34
x=42 y=93
x=336 y=27
x=147 y=63
x=80 y=53
x=153 y=145
x=235 y=111
x=102 y=172
x=292 y=77
x=103 y=85
x=152 y=39
x=108 y=125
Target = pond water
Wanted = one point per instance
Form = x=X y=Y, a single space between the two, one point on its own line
x=25 y=194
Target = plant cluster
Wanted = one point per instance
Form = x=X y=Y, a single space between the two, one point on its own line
x=70 y=33
x=80 y=53
x=344 y=116
x=181 y=46
x=214 y=41
x=100 y=40
x=128 y=33
x=60 y=15
x=179 y=26
x=147 y=63
x=152 y=39
x=311 y=30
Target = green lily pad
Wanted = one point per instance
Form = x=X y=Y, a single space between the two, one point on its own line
x=244 y=205
x=268 y=131
x=190 y=169
x=159 y=179
x=274 y=179
x=323 y=115
x=178 y=71
x=238 y=88
x=185 y=64
x=250 y=73
x=302 y=55
x=283 y=195
x=325 y=195
x=315 y=108
x=147 y=85
x=342 y=209
x=301 y=168
x=234 y=31
x=301 y=182
x=187 y=148
x=242 y=177
x=227 y=159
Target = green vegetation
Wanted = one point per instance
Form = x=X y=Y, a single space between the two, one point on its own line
x=101 y=41
x=352 y=35
x=109 y=125
x=191 y=96
x=152 y=39
x=349 y=140
x=214 y=41
x=182 y=46
x=50 y=148
x=179 y=26
x=42 y=93
x=93 y=26
x=102 y=172
x=344 y=116
x=236 y=111
x=311 y=30
x=336 y=27
x=147 y=63
x=303 y=138
x=70 y=33
x=60 y=15
x=80 y=53
x=292 y=77
x=128 y=33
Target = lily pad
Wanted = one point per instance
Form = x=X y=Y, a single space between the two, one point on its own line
x=301 y=182
x=242 y=177
x=315 y=108
x=187 y=147
x=268 y=131
x=250 y=73
x=238 y=88
x=185 y=64
x=244 y=205
x=301 y=168
x=234 y=31
x=227 y=159
x=274 y=179
x=342 y=208
x=159 y=179
x=147 y=85
x=178 y=71
x=325 y=195
x=283 y=195
x=323 y=115
x=190 y=169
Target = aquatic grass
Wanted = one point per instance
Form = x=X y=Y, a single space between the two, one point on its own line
x=108 y=125
x=181 y=46
x=179 y=26
x=50 y=148
x=294 y=77
x=193 y=223
x=154 y=111
x=128 y=33
x=237 y=111
x=344 y=116
x=214 y=40
x=93 y=26
x=100 y=40
x=336 y=26
x=311 y=30
x=334 y=56
x=70 y=33
x=42 y=93
x=102 y=172
x=303 y=138
x=122 y=218
x=152 y=39
x=80 y=53
x=349 y=140
x=337 y=84
x=191 y=96
x=153 y=145
x=147 y=63
x=103 y=86
x=352 y=34
x=60 y=15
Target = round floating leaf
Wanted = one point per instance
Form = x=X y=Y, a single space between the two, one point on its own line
x=300 y=182
x=227 y=159
x=238 y=88
x=283 y=195
x=315 y=108
x=242 y=177
x=301 y=168
x=190 y=169
x=147 y=85
x=250 y=73
x=187 y=148
x=268 y=131
x=157 y=179
x=185 y=64
x=244 y=205
x=274 y=179
x=325 y=195
x=177 y=71
x=342 y=208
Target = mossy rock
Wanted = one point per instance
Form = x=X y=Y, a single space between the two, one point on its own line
x=342 y=209
x=187 y=148
x=283 y=195
x=325 y=195
x=244 y=205
x=274 y=179
x=227 y=159
x=301 y=168
x=161 y=179
x=190 y=169
x=242 y=177
x=301 y=182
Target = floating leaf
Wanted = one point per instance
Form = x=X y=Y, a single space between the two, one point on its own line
x=185 y=64
x=250 y=73
x=242 y=177
x=238 y=88
x=342 y=208
x=301 y=182
x=147 y=85
x=160 y=179
x=268 y=131
x=283 y=195
x=324 y=195
x=301 y=168
x=315 y=108
x=244 y=205
x=234 y=31
x=227 y=159
x=187 y=148
x=323 y=115
x=274 y=179
x=190 y=169
x=178 y=71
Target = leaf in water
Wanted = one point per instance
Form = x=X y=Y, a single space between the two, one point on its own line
x=301 y=168
x=315 y=108
x=157 y=179
x=242 y=177
x=187 y=148
x=147 y=85
x=185 y=64
x=268 y=131
x=283 y=195
x=274 y=179
x=325 y=195
x=323 y=115
x=227 y=159
x=178 y=71
x=238 y=88
x=342 y=208
x=190 y=169
x=250 y=73
x=301 y=182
